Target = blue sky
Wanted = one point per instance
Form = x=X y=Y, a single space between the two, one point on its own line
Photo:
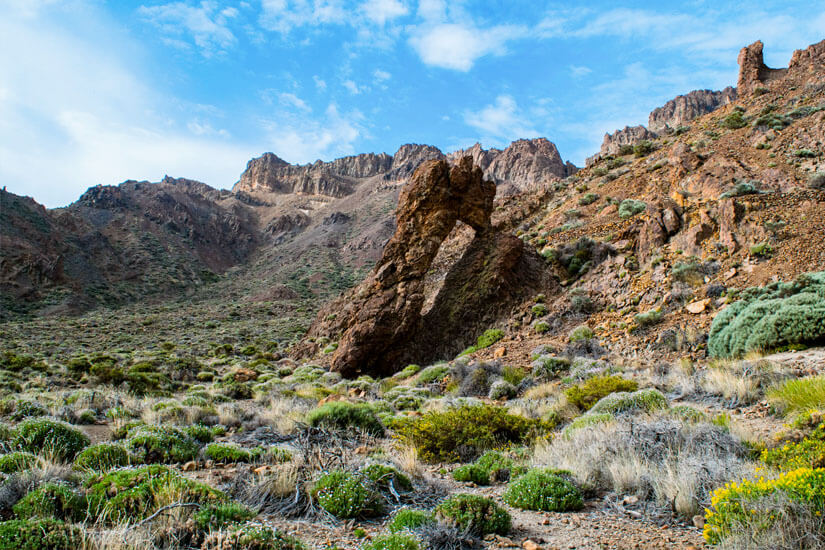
x=98 y=92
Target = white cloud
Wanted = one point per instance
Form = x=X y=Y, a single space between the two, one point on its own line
x=207 y=26
x=285 y=15
x=380 y=75
x=352 y=87
x=292 y=100
x=381 y=11
x=301 y=140
x=456 y=46
x=320 y=83
x=579 y=71
x=501 y=122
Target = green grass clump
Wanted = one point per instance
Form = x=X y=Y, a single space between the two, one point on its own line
x=587 y=199
x=161 y=444
x=347 y=495
x=548 y=366
x=799 y=395
x=17 y=461
x=383 y=475
x=225 y=453
x=492 y=465
x=581 y=332
x=463 y=433
x=132 y=494
x=52 y=500
x=630 y=207
x=733 y=507
x=217 y=516
x=57 y=438
x=102 y=457
x=393 y=541
x=643 y=148
x=741 y=189
x=647 y=400
x=475 y=514
x=200 y=433
x=777 y=316
x=543 y=490
x=435 y=373
x=342 y=415
x=490 y=337
x=734 y=121
x=587 y=420
x=586 y=394
x=40 y=534
x=409 y=519
x=251 y=536
x=648 y=318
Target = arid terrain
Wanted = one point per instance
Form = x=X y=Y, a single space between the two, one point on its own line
x=435 y=350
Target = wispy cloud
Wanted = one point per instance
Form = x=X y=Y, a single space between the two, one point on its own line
x=382 y=11
x=298 y=139
x=458 y=46
x=500 y=122
x=206 y=25
x=286 y=15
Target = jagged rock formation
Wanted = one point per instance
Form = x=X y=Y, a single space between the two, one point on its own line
x=753 y=73
x=380 y=321
x=522 y=165
x=629 y=135
x=684 y=108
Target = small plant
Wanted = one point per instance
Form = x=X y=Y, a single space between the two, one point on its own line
x=40 y=534
x=807 y=453
x=224 y=453
x=410 y=519
x=58 y=438
x=435 y=373
x=473 y=513
x=582 y=332
x=217 y=516
x=51 y=500
x=385 y=477
x=161 y=444
x=587 y=199
x=539 y=310
x=490 y=337
x=541 y=327
x=762 y=250
x=342 y=415
x=251 y=536
x=798 y=395
x=648 y=318
x=543 y=490
x=17 y=461
x=393 y=541
x=463 y=432
x=805 y=154
x=491 y=466
x=647 y=400
x=102 y=457
x=643 y=148
x=630 y=207
x=688 y=271
x=734 y=121
x=585 y=395
x=547 y=366
x=346 y=495
x=741 y=189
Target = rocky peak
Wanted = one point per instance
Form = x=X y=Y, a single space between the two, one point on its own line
x=752 y=69
x=409 y=157
x=629 y=135
x=684 y=108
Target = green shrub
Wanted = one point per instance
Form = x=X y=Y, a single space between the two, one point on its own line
x=51 y=500
x=132 y=494
x=539 y=310
x=771 y=317
x=347 y=495
x=435 y=373
x=589 y=198
x=217 y=516
x=643 y=148
x=799 y=395
x=225 y=453
x=17 y=461
x=805 y=154
x=251 y=536
x=342 y=415
x=647 y=400
x=393 y=541
x=161 y=444
x=383 y=475
x=761 y=250
x=587 y=420
x=548 y=366
x=807 y=453
x=490 y=337
x=541 y=327
x=687 y=271
x=28 y=409
x=648 y=318
x=543 y=490
x=57 y=438
x=463 y=432
x=586 y=394
x=492 y=465
x=200 y=433
x=741 y=189
x=630 y=207
x=582 y=332
x=732 y=506
x=734 y=121
x=473 y=513
x=409 y=519
x=40 y=534
x=102 y=457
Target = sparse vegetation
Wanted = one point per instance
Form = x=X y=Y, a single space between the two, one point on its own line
x=474 y=513
x=543 y=490
x=630 y=207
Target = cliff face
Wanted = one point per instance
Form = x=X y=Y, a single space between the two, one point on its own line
x=753 y=73
x=684 y=108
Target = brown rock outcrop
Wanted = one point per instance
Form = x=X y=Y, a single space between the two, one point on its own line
x=752 y=69
x=684 y=108
x=664 y=221
x=629 y=135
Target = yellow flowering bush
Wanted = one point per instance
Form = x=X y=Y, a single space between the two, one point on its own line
x=808 y=453
x=732 y=505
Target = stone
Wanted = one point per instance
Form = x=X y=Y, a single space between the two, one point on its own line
x=530 y=545
x=753 y=72
x=499 y=352
x=699 y=521
x=190 y=466
x=698 y=306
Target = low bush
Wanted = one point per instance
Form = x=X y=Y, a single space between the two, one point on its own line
x=581 y=332
x=132 y=494
x=587 y=420
x=40 y=534
x=586 y=394
x=761 y=250
x=161 y=444
x=474 y=513
x=102 y=457
x=218 y=516
x=733 y=507
x=647 y=400
x=225 y=453
x=648 y=318
x=50 y=436
x=502 y=389
x=347 y=495
x=464 y=432
x=487 y=339
x=491 y=466
x=385 y=476
x=689 y=271
x=17 y=461
x=643 y=148
x=630 y=207
x=342 y=415
x=410 y=519
x=734 y=121
x=741 y=189
x=543 y=490
x=799 y=395
x=807 y=453
x=578 y=257
x=589 y=198
x=251 y=536
x=393 y=541
x=772 y=317
x=52 y=500
x=435 y=373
